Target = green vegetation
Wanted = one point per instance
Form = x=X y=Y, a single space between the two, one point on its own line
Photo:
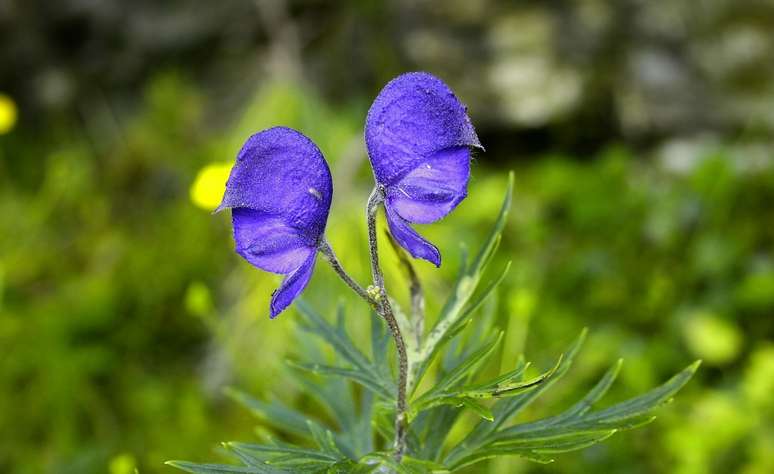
x=124 y=313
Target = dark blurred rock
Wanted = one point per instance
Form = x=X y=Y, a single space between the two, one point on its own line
x=56 y=54
x=585 y=71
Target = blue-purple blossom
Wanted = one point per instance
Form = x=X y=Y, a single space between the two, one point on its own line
x=419 y=140
x=279 y=193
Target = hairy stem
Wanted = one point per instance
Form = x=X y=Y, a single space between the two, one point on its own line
x=385 y=310
x=327 y=252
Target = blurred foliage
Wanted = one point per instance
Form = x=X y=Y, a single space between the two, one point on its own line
x=124 y=311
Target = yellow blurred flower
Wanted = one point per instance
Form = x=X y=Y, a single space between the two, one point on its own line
x=8 y=114
x=207 y=189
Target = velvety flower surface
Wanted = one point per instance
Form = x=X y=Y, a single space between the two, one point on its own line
x=419 y=140
x=279 y=192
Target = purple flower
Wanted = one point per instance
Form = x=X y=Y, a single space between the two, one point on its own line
x=419 y=140
x=279 y=193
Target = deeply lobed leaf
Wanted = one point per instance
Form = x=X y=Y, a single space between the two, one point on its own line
x=454 y=310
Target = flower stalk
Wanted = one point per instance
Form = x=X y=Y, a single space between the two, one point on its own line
x=384 y=308
x=376 y=297
x=327 y=252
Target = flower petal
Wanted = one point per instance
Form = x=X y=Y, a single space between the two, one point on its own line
x=412 y=118
x=431 y=190
x=280 y=171
x=267 y=242
x=292 y=286
x=410 y=240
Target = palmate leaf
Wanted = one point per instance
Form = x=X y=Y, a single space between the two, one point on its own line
x=480 y=328
x=507 y=408
x=440 y=394
x=363 y=371
x=537 y=449
x=279 y=452
x=352 y=374
x=575 y=428
x=273 y=413
x=296 y=423
x=335 y=396
x=280 y=458
x=468 y=395
x=430 y=429
x=284 y=462
x=624 y=415
x=408 y=465
x=197 y=468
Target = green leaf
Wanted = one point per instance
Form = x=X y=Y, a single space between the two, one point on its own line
x=481 y=323
x=507 y=408
x=625 y=415
x=583 y=405
x=408 y=465
x=265 y=451
x=362 y=434
x=439 y=395
x=341 y=343
x=486 y=292
x=273 y=413
x=386 y=460
x=478 y=408
x=323 y=438
x=380 y=338
x=574 y=429
x=334 y=394
x=383 y=421
x=596 y=393
x=422 y=465
x=466 y=368
x=353 y=374
x=505 y=386
x=467 y=396
x=465 y=287
x=283 y=418
x=196 y=468
x=431 y=428
x=294 y=462
x=537 y=449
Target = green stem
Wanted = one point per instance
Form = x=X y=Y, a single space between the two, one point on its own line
x=384 y=308
x=327 y=252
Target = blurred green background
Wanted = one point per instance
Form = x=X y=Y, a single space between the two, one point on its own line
x=641 y=134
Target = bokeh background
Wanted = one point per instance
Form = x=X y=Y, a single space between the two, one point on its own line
x=641 y=133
